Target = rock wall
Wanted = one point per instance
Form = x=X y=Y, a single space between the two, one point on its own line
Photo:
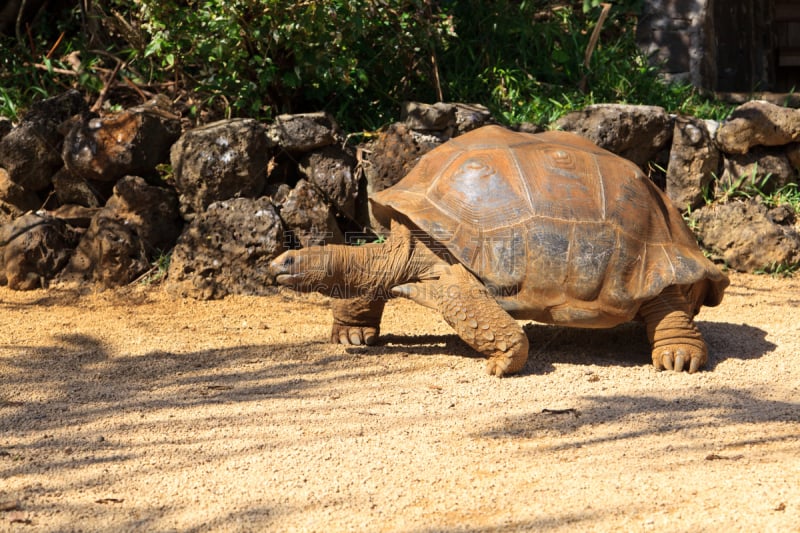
x=104 y=198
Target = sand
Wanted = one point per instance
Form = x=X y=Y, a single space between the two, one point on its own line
x=130 y=410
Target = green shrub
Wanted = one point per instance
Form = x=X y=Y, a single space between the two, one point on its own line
x=358 y=59
x=526 y=60
x=263 y=58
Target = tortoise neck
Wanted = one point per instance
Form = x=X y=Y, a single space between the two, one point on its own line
x=373 y=269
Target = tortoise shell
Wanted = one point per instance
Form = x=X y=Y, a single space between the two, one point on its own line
x=560 y=230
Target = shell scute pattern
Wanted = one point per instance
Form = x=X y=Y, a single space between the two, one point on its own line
x=558 y=229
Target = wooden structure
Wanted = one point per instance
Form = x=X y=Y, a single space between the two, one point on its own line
x=725 y=45
x=787 y=45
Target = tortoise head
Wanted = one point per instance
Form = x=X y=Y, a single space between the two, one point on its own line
x=306 y=270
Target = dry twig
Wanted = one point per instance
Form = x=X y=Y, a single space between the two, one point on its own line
x=593 y=41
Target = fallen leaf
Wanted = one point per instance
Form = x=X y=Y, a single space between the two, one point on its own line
x=109 y=500
x=571 y=410
x=19 y=518
x=717 y=457
x=9 y=505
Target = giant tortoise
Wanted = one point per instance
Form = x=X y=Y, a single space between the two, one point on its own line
x=495 y=226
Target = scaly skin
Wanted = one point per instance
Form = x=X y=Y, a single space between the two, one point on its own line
x=478 y=319
x=673 y=335
x=359 y=277
x=365 y=272
x=364 y=277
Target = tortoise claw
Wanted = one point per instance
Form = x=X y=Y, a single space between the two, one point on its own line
x=498 y=366
x=679 y=358
x=679 y=361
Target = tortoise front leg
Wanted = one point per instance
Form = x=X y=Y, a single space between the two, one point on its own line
x=673 y=335
x=478 y=319
x=356 y=321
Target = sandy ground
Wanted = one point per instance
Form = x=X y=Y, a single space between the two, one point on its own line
x=132 y=411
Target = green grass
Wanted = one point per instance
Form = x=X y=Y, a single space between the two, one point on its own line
x=751 y=186
x=781 y=270
x=158 y=269
x=789 y=195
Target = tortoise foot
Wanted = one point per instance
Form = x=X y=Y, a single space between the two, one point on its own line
x=505 y=364
x=356 y=321
x=678 y=357
x=354 y=335
x=676 y=341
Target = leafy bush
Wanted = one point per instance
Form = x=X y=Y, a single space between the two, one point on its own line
x=281 y=56
x=530 y=58
x=26 y=67
x=358 y=59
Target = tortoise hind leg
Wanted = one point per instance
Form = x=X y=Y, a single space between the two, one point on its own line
x=673 y=335
x=478 y=319
x=356 y=321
